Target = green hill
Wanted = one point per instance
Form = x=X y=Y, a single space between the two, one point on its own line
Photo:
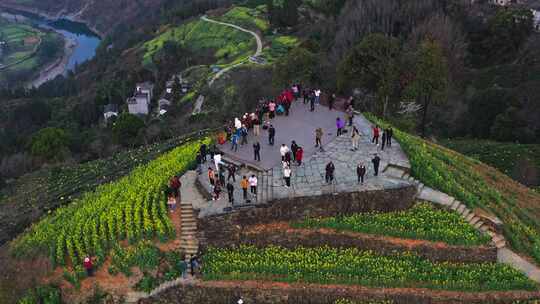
x=477 y=185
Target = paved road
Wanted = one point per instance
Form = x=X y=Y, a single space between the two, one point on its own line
x=258 y=52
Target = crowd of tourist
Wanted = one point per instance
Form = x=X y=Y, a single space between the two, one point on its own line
x=236 y=132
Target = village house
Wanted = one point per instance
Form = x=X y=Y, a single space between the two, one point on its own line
x=139 y=104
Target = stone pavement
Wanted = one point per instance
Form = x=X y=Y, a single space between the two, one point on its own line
x=309 y=178
x=300 y=126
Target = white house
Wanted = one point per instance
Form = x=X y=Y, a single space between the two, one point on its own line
x=110 y=110
x=536 y=19
x=139 y=104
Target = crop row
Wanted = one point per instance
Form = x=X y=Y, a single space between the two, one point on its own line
x=132 y=208
x=423 y=221
x=458 y=175
x=325 y=265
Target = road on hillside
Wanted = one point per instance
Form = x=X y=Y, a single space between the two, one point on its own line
x=258 y=52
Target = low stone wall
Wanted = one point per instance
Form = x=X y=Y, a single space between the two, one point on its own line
x=275 y=293
x=436 y=252
x=223 y=230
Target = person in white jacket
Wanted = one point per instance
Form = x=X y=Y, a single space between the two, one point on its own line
x=287 y=176
x=283 y=150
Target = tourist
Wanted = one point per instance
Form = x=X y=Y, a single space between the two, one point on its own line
x=217 y=191
x=339 y=125
x=389 y=134
x=350 y=115
x=271 y=135
x=272 y=109
x=171 y=202
x=237 y=124
x=330 y=168
x=203 y=151
x=350 y=102
x=376 y=161
x=230 y=192
x=88 y=266
x=299 y=156
x=257 y=151
x=231 y=172
x=211 y=176
x=234 y=141
x=312 y=101
x=355 y=138
x=244 y=134
x=287 y=176
x=331 y=101
x=305 y=95
x=375 y=138
x=212 y=151
x=194 y=263
x=317 y=93
x=383 y=140
x=318 y=137
x=257 y=126
x=294 y=148
x=221 y=176
x=253 y=184
x=199 y=161
x=175 y=185
x=217 y=160
x=244 y=184
x=361 y=172
x=283 y=151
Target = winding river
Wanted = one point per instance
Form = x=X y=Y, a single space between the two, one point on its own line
x=81 y=43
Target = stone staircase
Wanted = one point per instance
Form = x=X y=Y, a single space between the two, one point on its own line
x=189 y=243
x=427 y=194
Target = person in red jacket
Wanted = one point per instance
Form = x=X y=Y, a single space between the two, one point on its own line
x=375 y=138
x=299 y=155
x=88 y=266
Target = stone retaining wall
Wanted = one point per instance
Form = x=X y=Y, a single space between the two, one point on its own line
x=275 y=293
x=223 y=230
x=437 y=252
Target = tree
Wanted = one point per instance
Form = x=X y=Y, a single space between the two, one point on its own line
x=299 y=65
x=126 y=129
x=50 y=143
x=373 y=64
x=283 y=13
x=430 y=82
x=176 y=89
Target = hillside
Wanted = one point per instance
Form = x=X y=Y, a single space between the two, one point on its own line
x=479 y=186
x=100 y=15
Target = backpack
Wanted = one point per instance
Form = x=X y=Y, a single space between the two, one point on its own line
x=280 y=109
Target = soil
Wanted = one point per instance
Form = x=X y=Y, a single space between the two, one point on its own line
x=284 y=226
x=20 y=275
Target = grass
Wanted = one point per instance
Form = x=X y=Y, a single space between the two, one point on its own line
x=503 y=156
x=279 y=47
x=326 y=265
x=226 y=43
x=478 y=186
x=249 y=18
x=423 y=221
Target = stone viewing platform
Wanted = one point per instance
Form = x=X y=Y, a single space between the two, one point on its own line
x=307 y=179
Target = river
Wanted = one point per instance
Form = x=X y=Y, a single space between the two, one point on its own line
x=81 y=43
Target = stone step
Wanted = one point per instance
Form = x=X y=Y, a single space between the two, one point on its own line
x=478 y=224
x=484 y=228
x=496 y=237
x=188 y=229
x=491 y=234
x=455 y=205
x=460 y=209
x=465 y=213
x=188 y=219
x=469 y=217
x=474 y=220
x=500 y=244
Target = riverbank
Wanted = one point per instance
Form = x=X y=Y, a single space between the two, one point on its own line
x=75 y=17
x=58 y=67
